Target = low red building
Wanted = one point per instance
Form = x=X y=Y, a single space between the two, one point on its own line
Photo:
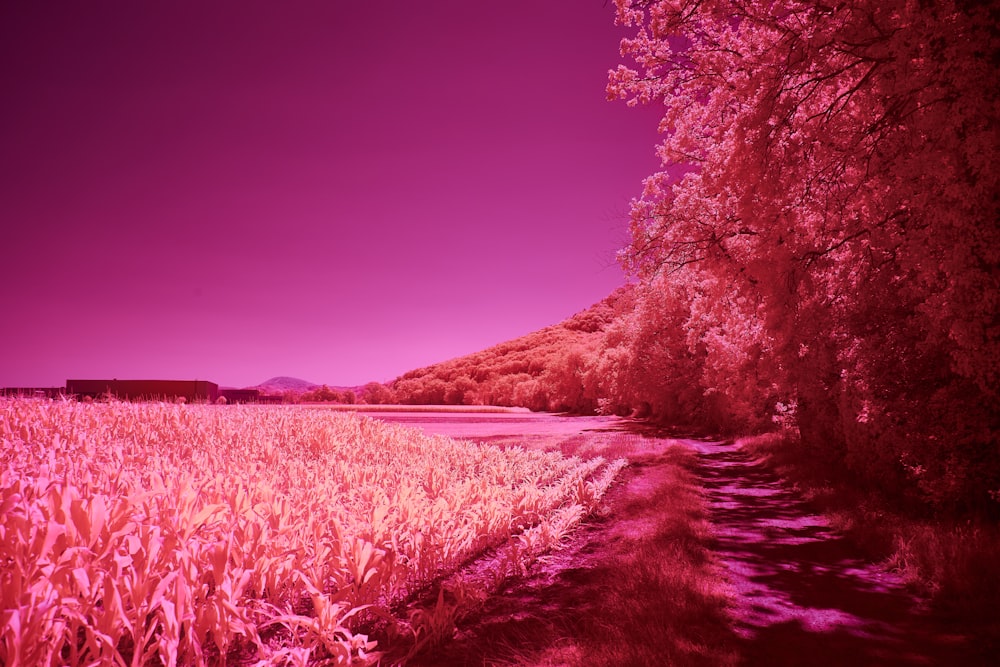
x=200 y=391
x=240 y=395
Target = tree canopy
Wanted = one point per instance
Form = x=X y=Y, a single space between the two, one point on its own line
x=819 y=251
x=821 y=245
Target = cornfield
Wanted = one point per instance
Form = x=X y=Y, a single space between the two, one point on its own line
x=135 y=534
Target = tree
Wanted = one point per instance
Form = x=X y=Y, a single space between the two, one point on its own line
x=567 y=381
x=459 y=391
x=647 y=360
x=375 y=393
x=829 y=195
x=321 y=394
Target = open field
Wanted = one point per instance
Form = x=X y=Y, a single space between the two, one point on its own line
x=421 y=409
x=138 y=533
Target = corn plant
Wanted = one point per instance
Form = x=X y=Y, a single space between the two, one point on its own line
x=133 y=534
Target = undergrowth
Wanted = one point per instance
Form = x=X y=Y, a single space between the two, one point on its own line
x=951 y=562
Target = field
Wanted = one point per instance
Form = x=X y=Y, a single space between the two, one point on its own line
x=447 y=409
x=139 y=533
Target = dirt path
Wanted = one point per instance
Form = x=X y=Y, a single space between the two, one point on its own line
x=799 y=590
x=701 y=556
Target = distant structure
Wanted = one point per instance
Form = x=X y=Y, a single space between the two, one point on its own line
x=195 y=391
x=192 y=391
x=240 y=395
x=33 y=392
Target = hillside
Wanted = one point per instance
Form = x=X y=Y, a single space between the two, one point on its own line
x=281 y=384
x=544 y=370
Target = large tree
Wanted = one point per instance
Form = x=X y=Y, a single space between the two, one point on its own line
x=830 y=198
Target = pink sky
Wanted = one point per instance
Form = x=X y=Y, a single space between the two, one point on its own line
x=337 y=191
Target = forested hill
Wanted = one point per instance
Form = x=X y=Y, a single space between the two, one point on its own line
x=819 y=251
x=544 y=370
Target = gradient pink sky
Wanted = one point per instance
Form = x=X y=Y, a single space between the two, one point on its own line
x=337 y=191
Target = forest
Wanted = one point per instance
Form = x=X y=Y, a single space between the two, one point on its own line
x=819 y=252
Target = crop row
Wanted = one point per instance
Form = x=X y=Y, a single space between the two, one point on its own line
x=139 y=533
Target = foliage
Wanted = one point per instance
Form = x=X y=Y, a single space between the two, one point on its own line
x=951 y=562
x=821 y=246
x=550 y=369
x=141 y=533
x=376 y=393
x=324 y=394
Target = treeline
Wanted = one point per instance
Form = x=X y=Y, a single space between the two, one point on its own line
x=324 y=394
x=373 y=393
x=822 y=247
x=626 y=355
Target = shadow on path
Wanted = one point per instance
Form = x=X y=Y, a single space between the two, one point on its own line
x=800 y=592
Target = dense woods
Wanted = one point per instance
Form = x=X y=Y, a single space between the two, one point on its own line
x=825 y=226
x=819 y=252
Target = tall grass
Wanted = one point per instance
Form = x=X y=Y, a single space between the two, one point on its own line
x=663 y=601
x=172 y=534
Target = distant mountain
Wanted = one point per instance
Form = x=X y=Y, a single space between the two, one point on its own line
x=281 y=384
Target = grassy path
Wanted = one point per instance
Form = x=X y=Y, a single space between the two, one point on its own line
x=634 y=586
x=702 y=556
x=799 y=590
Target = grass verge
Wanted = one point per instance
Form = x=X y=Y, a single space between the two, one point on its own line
x=638 y=586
